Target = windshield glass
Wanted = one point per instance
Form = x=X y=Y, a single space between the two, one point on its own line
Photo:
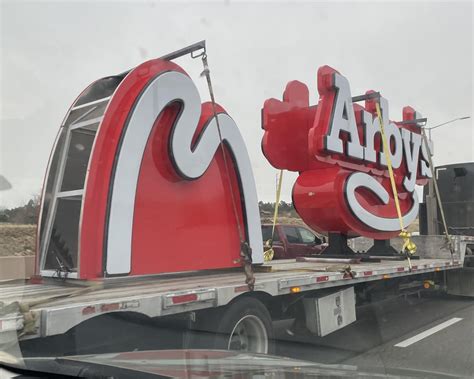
x=268 y=187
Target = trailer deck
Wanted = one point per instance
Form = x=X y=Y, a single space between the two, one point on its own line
x=55 y=305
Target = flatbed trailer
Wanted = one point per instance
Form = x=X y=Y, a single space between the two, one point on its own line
x=139 y=145
x=55 y=306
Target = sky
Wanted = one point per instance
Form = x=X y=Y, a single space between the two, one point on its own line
x=415 y=53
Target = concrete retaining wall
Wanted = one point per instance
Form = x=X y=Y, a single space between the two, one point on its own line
x=17 y=267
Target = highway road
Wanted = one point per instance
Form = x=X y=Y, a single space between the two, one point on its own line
x=434 y=334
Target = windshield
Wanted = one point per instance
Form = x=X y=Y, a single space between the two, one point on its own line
x=266 y=187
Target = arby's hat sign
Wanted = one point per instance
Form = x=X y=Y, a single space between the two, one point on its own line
x=156 y=196
x=343 y=184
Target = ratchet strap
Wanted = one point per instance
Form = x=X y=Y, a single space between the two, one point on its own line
x=438 y=197
x=245 y=249
x=409 y=247
x=269 y=253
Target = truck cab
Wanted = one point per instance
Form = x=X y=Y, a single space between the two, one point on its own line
x=291 y=241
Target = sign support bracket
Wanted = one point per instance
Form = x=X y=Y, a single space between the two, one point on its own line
x=191 y=49
x=338 y=248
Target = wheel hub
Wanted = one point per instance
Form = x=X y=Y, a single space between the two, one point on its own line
x=249 y=335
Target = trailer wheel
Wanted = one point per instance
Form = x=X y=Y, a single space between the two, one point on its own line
x=245 y=326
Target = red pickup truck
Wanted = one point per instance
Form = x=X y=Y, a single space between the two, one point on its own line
x=290 y=241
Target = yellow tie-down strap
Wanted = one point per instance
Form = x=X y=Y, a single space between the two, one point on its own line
x=408 y=245
x=269 y=253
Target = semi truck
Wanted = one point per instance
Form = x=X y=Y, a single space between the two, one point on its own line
x=141 y=170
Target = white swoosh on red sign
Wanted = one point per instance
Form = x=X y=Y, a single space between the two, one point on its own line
x=363 y=180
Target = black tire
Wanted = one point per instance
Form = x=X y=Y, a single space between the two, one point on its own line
x=251 y=317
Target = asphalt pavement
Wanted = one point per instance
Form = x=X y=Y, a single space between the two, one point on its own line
x=431 y=335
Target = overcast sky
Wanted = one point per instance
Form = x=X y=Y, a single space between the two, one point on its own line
x=418 y=54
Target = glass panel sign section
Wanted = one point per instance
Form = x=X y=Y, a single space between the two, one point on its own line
x=49 y=183
x=80 y=147
x=63 y=244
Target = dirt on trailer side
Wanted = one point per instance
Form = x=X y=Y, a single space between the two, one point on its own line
x=17 y=240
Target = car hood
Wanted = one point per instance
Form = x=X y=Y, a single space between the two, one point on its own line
x=204 y=364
